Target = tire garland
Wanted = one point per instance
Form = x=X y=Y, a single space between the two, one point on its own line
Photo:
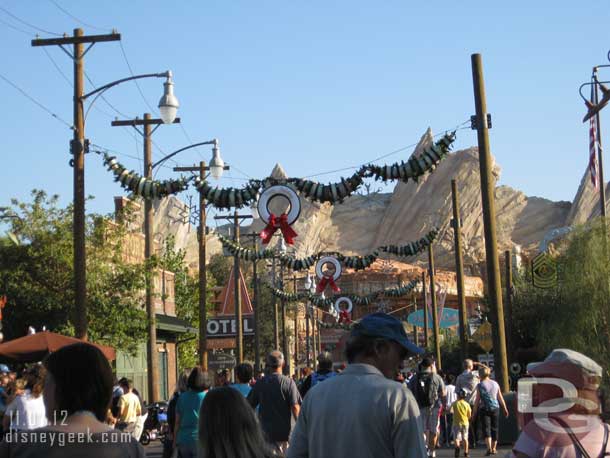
x=142 y=186
x=227 y=198
x=326 y=302
x=352 y=262
x=346 y=326
x=415 y=167
x=411 y=248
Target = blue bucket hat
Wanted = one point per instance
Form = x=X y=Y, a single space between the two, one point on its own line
x=385 y=326
x=4 y=369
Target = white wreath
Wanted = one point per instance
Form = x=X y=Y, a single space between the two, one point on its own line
x=328 y=260
x=341 y=300
x=279 y=190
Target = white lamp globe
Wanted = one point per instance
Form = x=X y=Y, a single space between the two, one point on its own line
x=168 y=104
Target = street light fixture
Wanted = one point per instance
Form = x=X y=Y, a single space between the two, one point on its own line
x=201 y=238
x=168 y=105
x=216 y=164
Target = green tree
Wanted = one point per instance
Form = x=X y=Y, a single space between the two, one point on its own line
x=576 y=314
x=37 y=275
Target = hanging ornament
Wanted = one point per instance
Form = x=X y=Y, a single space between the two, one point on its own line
x=282 y=222
x=344 y=313
x=325 y=278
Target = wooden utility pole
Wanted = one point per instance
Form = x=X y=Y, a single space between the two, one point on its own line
x=415 y=333
x=296 y=328
x=152 y=352
x=509 y=300
x=456 y=223
x=307 y=335
x=285 y=347
x=437 y=343
x=314 y=341
x=276 y=318
x=426 y=320
x=494 y=286
x=257 y=348
x=239 y=324
x=77 y=149
x=203 y=278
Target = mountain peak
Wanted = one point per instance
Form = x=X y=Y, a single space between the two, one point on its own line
x=278 y=172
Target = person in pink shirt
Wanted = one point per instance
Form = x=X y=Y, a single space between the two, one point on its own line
x=564 y=391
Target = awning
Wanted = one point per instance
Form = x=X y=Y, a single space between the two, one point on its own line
x=174 y=324
x=35 y=347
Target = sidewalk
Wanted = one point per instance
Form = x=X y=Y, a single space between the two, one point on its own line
x=503 y=452
x=154 y=450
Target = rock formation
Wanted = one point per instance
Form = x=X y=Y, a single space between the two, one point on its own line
x=364 y=222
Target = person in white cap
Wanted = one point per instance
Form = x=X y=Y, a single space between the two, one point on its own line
x=560 y=409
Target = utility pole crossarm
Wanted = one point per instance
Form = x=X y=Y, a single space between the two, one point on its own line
x=75 y=40
x=141 y=122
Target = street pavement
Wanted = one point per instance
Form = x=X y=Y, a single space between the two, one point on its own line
x=155 y=450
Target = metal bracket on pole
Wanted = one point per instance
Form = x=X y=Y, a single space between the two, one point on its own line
x=474 y=125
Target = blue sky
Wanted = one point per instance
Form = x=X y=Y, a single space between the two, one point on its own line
x=314 y=85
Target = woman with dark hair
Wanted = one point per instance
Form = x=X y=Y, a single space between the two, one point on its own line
x=168 y=445
x=27 y=411
x=187 y=413
x=77 y=393
x=228 y=427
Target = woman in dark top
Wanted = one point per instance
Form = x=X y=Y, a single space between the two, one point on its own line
x=77 y=394
x=228 y=427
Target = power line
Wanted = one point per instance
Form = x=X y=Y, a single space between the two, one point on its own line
x=39 y=104
x=105 y=99
x=59 y=70
x=391 y=153
x=67 y=13
x=28 y=24
x=8 y=24
x=153 y=110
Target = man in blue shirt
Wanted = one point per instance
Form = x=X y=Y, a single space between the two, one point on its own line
x=325 y=371
x=243 y=374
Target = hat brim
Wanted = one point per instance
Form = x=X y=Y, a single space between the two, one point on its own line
x=411 y=347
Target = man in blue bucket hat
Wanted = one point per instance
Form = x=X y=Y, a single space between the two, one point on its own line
x=363 y=412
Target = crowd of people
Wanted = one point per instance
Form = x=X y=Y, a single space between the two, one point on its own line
x=70 y=405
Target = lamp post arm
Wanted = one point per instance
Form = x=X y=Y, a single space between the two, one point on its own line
x=169 y=156
x=123 y=80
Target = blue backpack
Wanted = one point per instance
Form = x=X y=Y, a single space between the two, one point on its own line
x=489 y=403
x=316 y=378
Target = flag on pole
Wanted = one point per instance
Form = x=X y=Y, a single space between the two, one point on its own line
x=593 y=145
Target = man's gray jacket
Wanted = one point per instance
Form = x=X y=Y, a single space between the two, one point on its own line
x=358 y=414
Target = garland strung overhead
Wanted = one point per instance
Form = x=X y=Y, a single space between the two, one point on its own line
x=142 y=186
x=226 y=198
x=342 y=325
x=411 y=248
x=352 y=262
x=321 y=301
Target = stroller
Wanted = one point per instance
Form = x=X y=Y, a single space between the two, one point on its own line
x=155 y=426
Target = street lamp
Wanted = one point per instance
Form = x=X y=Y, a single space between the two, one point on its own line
x=201 y=238
x=78 y=162
x=168 y=104
x=217 y=165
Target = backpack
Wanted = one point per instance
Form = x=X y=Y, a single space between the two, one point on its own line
x=425 y=393
x=317 y=378
x=489 y=403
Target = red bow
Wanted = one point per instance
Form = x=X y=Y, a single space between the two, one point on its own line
x=327 y=281
x=280 y=223
x=344 y=317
